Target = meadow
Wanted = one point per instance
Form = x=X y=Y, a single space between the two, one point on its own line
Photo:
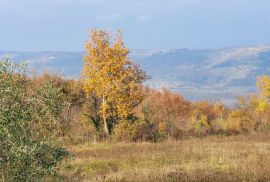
x=213 y=158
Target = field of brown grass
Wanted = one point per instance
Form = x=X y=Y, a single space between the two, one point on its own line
x=235 y=158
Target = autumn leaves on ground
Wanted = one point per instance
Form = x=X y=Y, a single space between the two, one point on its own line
x=107 y=126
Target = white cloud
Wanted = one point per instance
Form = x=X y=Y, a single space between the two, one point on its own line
x=107 y=17
x=142 y=18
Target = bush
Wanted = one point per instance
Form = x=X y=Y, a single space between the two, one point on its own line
x=27 y=117
x=139 y=130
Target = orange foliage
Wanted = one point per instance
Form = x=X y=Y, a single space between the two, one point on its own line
x=111 y=77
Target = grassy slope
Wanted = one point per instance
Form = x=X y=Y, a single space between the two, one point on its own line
x=238 y=158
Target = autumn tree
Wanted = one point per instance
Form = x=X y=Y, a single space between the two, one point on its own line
x=111 y=76
x=263 y=84
x=170 y=112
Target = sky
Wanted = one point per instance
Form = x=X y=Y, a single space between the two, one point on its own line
x=63 y=25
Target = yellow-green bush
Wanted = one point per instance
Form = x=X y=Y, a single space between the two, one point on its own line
x=135 y=131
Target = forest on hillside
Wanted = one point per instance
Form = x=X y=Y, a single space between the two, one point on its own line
x=41 y=116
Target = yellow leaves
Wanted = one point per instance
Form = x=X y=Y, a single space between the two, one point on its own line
x=260 y=105
x=108 y=73
x=244 y=119
x=263 y=83
x=203 y=120
x=219 y=109
x=162 y=127
x=104 y=108
x=233 y=123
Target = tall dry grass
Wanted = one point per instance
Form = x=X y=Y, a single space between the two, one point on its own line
x=235 y=158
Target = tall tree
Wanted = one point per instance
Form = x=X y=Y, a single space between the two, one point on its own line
x=111 y=77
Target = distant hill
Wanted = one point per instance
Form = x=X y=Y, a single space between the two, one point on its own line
x=197 y=74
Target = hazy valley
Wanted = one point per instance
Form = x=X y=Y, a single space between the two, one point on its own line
x=197 y=74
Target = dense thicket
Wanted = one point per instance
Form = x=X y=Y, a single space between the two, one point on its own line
x=161 y=115
x=29 y=114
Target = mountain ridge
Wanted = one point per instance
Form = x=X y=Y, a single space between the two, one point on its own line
x=211 y=74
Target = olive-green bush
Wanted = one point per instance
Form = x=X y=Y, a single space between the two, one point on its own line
x=28 y=115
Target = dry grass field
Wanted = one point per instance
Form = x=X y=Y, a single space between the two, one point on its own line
x=235 y=158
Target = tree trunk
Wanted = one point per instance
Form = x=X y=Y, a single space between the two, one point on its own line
x=3 y=177
x=106 y=130
x=95 y=138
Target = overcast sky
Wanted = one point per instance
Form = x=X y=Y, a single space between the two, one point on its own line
x=38 y=25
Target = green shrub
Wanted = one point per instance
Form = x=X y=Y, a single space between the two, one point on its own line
x=28 y=115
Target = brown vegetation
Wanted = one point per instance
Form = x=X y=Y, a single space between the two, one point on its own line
x=234 y=158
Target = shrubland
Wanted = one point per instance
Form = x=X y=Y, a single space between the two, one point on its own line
x=72 y=115
x=40 y=115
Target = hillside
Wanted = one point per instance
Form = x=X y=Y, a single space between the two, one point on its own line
x=197 y=74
